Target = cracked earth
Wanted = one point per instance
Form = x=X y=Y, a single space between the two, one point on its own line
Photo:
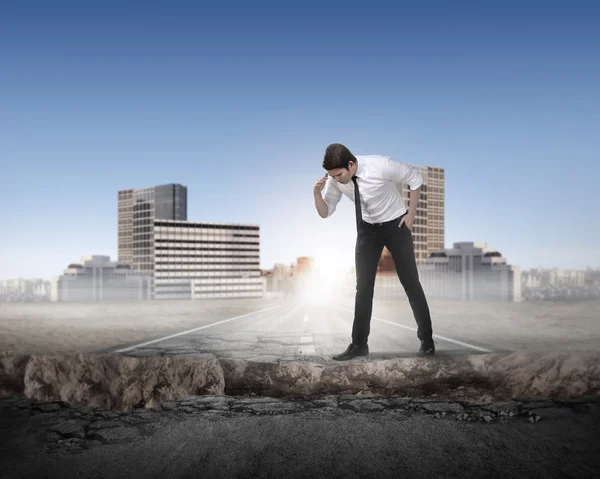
x=63 y=427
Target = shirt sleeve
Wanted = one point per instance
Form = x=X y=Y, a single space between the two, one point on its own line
x=331 y=196
x=402 y=174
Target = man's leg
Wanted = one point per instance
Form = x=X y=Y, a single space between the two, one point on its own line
x=367 y=256
x=400 y=244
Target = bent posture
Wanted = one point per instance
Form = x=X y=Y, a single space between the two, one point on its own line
x=373 y=183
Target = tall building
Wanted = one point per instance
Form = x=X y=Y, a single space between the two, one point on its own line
x=193 y=260
x=428 y=227
x=97 y=278
x=138 y=208
x=186 y=260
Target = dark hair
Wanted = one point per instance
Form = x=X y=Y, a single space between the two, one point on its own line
x=337 y=156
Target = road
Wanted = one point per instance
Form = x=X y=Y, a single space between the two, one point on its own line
x=300 y=330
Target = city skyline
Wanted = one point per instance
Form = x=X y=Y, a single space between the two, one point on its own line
x=239 y=104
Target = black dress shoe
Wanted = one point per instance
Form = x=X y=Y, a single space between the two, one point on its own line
x=427 y=347
x=353 y=351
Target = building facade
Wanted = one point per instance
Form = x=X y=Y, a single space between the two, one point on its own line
x=137 y=209
x=193 y=260
x=97 y=278
x=428 y=227
x=541 y=277
x=24 y=290
x=467 y=272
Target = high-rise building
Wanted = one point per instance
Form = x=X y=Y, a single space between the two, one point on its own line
x=428 y=227
x=138 y=208
x=193 y=260
x=186 y=260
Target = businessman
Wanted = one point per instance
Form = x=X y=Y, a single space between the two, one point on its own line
x=373 y=183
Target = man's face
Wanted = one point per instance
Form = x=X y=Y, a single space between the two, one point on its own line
x=343 y=175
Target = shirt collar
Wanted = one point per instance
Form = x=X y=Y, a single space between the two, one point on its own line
x=359 y=169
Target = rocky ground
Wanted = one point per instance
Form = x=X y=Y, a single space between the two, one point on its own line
x=538 y=438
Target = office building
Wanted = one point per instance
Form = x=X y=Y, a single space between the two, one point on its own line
x=186 y=260
x=467 y=272
x=97 y=278
x=193 y=260
x=137 y=209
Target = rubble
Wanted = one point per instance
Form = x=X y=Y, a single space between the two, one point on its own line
x=122 y=382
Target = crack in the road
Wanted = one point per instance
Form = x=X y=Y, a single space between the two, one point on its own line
x=75 y=428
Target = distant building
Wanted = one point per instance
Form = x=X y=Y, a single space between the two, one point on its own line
x=278 y=278
x=592 y=276
x=97 y=278
x=468 y=272
x=24 y=290
x=304 y=265
x=541 y=277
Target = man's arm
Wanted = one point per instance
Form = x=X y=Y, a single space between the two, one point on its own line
x=402 y=174
x=414 y=201
x=327 y=202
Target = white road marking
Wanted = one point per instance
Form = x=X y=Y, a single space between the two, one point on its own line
x=443 y=338
x=190 y=331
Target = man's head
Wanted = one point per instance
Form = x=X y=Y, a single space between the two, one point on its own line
x=340 y=163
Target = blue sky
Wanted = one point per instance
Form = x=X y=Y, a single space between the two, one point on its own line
x=239 y=102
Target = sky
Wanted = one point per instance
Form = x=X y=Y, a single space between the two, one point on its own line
x=239 y=101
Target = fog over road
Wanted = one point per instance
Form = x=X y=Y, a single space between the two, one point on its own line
x=303 y=329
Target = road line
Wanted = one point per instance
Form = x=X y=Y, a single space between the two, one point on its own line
x=123 y=350
x=443 y=338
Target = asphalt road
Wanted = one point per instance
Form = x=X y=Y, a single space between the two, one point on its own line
x=301 y=330
x=337 y=437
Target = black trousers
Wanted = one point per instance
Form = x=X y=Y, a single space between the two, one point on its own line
x=369 y=246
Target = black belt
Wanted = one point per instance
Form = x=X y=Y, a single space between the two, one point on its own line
x=384 y=223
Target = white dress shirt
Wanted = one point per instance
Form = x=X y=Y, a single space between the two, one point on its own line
x=380 y=181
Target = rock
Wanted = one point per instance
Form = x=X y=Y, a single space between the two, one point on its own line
x=118 y=435
x=12 y=373
x=552 y=412
x=453 y=408
x=90 y=444
x=48 y=407
x=86 y=410
x=267 y=408
x=70 y=428
x=52 y=437
x=330 y=402
x=487 y=419
x=104 y=425
x=120 y=382
x=502 y=407
x=107 y=414
x=362 y=406
x=24 y=404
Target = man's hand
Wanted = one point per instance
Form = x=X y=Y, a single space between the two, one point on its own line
x=408 y=220
x=320 y=184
